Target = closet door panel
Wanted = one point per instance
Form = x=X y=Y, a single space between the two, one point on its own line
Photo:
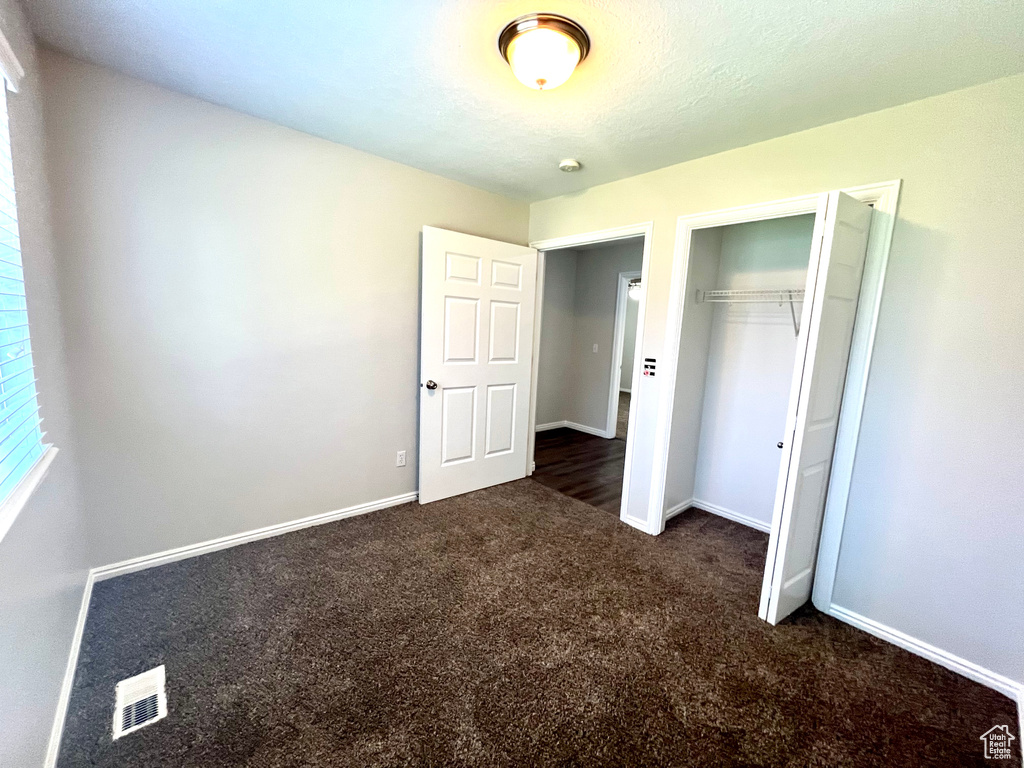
x=837 y=267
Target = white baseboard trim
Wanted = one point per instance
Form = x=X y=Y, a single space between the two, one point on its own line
x=673 y=511
x=970 y=670
x=573 y=425
x=194 y=550
x=737 y=517
x=53 y=747
x=550 y=425
x=588 y=430
x=633 y=522
x=627 y=391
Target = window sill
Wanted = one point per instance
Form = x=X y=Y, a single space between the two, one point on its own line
x=12 y=506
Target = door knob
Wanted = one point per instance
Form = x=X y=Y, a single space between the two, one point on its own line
x=780 y=445
x=431 y=384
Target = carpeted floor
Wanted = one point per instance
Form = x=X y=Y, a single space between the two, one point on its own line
x=510 y=627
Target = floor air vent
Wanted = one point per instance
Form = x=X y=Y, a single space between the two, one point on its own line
x=141 y=700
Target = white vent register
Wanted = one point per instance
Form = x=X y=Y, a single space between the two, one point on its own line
x=140 y=700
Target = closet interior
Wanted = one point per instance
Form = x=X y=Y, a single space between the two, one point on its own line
x=737 y=352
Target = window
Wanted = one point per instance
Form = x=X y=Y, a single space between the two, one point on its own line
x=21 y=435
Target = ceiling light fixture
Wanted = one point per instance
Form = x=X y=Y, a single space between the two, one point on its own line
x=634 y=288
x=543 y=49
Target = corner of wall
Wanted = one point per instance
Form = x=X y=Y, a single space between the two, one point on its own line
x=44 y=557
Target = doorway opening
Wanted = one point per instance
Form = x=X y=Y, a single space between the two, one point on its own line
x=589 y=322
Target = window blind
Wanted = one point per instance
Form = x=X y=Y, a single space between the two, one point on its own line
x=21 y=435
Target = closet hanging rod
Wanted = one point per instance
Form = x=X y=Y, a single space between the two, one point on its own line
x=773 y=295
x=763 y=296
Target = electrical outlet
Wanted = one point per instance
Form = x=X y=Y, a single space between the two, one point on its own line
x=400 y=461
x=595 y=349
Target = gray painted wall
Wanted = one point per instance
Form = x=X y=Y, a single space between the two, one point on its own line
x=558 y=317
x=586 y=375
x=42 y=558
x=597 y=286
x=242 y=304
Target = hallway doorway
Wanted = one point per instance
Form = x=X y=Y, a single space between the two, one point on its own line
x=589 y=309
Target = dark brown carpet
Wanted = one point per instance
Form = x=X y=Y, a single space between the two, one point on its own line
x=510 y=627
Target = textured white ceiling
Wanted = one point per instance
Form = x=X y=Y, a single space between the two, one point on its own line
x=422 y=82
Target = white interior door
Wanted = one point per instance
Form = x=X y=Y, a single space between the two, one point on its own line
x=834 y=277
x=476 y=348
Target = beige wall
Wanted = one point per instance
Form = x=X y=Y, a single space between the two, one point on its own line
x=934 y=537
x=42 y=557
x=242 y=304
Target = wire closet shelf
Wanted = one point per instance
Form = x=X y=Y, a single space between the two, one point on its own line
x=771 y=295
x=758 y=296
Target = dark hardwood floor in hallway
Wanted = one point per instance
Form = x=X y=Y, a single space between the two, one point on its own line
x=582 y=466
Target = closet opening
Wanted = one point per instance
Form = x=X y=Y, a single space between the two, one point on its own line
x=738 y=347
x=589 y=308
x=729 y=403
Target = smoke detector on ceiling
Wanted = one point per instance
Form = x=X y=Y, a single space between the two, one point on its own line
x=569 y=165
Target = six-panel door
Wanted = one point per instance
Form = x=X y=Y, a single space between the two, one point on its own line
x=476 y=348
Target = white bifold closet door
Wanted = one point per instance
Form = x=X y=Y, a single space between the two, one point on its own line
x=833 y=287
x=476 y=351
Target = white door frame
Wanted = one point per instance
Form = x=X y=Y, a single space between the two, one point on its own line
x=618 y=341
x=646 y=229
x=883 y=197
x=477 y=302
